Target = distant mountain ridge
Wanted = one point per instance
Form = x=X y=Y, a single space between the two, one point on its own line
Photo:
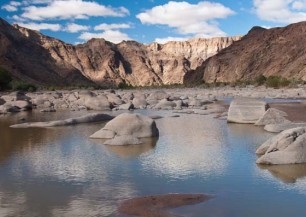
x=269 y=52
x=36 y=58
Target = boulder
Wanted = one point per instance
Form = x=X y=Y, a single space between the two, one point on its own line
x=2 y=101
x=114 y=99
x=246 y=110
x=288 y=147
x=93 y=117
x=158 y=95
x=8 y=108
x=97 y=103
x=127 y=106
x=131 y=126
x=272 y=116
x=165 y=105
x=277 y=128
x=22 y=104
x=139 y=103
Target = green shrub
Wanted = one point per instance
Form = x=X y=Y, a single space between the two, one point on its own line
x=277 y=82
x=20 y=85
x=260 y=80
x=5 y=79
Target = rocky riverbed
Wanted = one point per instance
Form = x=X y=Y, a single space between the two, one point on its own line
x=172 y=109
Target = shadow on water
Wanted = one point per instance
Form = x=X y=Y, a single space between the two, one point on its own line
x=286 y=173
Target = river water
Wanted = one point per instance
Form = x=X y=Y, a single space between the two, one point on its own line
x=61 y=172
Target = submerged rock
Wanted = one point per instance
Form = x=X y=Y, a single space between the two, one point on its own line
x=288 y=147
x=153 y=206
x=246 y=110
x=93 y=117
x=131 y=126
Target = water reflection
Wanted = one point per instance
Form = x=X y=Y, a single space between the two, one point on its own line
x=190 y=144
x=133 y=151
x=286 y=173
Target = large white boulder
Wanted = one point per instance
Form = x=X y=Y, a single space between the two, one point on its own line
x=129 y=126
x=246 y=110
x=288 y=147
x=273 y=116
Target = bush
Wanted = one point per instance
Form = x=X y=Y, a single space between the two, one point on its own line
x=260 y=80
x=277 y=82
x=20 y=85
x=5 y=79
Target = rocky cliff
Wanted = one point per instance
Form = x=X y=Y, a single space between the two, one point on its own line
x=268 y=52
x=37 y=58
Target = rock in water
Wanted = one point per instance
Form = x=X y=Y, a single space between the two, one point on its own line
x=157 y=205
x=288 y=147
x=246 y=110
x=129 y=126
x=272 y=116
x=93 y=117
x=277 y=128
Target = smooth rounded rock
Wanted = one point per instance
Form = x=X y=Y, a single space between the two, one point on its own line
x=288 y=147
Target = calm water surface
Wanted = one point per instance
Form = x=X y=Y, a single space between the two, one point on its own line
x=61 y=172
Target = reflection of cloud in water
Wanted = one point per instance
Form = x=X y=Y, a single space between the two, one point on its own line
x=12 y=204
x=286 y=176
x=96 y=201
x=69 y=162
x=189 y=144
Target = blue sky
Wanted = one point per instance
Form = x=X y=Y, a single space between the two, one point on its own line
x=76 y=21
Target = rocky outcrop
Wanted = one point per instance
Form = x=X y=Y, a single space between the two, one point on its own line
x=37 y=58
x=268 y=52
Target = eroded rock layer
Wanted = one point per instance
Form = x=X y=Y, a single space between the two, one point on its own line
x=37 y=58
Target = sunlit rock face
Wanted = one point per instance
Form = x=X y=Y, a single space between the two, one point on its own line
x=100 y=61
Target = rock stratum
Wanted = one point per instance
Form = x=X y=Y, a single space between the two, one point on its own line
x=268 y=52
x=33 y=57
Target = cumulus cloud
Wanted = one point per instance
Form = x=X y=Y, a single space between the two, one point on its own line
x=11 y=7
x=41 y=26
x=105 y=26
x=167 y=39
x=280 y=11
x=114 y=36
x=71 y=9
x=198 y=19
x=73 y=28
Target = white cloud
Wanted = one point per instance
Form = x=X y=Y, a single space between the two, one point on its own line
x=105 y=26
x=9 y=8
x=41 y=26
x=73 y=28
x=114 y=36
x=12 y=6
x=167 y=39
x=280 y=11
x=196 y=19
x=71 y=9
x=299 y=5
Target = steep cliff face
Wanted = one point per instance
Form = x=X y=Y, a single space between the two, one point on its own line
x=22 y=55
x=268 y=52
x=31 y=56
